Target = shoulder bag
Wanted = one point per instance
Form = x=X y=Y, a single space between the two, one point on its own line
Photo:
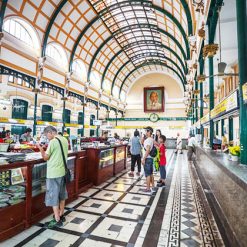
x=67 y=176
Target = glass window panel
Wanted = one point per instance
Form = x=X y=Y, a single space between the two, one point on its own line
x=11 y=78
x=19 y=81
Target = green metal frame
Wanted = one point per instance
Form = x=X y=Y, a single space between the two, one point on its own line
x=151 y=63
x=182 y=76
x=2 y=12
x=140 y=45
x=190 y=30
x=127 y=28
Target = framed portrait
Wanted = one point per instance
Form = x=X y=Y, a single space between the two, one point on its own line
x=154 y=99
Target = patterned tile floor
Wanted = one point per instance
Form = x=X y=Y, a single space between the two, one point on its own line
x=120 y=213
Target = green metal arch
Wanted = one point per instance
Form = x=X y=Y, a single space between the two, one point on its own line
x=151 y=63
x=47 y=32
x=127 y=28
x=181 y=76
x=137 y=44
x=163 y=11
x=187 y=11
x=2 y=12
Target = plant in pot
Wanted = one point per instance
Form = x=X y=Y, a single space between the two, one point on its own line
x=235 y=152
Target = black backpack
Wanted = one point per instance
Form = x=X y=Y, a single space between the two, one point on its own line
x=153 y=152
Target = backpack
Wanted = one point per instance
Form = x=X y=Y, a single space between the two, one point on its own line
x=153 y=153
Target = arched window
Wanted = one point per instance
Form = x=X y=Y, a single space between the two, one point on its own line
x=107 y=86
x=95 y=79
x=79 y=69
x=22 y=31
x=81 y=118
x=47 y=113
x=67 y=114
x=19 y=109
x=123 y=96
x=57 y=53
x=115 y=92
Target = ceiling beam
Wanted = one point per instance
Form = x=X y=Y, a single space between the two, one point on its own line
x=2 y=12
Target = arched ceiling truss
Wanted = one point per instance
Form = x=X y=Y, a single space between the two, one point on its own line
x=106 y=34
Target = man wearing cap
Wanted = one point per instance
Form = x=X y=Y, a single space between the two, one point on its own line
x=147 y=160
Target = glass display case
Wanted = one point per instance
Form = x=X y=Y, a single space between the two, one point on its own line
x=39 y=178
x=71 y=166
x=120 y=154
x=12 y=187
x=106 y=158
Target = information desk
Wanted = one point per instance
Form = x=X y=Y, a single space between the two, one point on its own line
x=105 y=162
x=22 y=191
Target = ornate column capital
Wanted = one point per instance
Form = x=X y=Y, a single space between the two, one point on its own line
x=210 y=50
x=201 y=78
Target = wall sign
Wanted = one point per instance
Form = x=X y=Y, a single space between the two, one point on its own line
x=244 y=90
x=148 y=119
x=205 y=119
x=227 y=105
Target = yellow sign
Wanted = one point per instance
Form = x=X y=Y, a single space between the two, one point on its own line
x=228 y=104
x=244 y=89
x=205 y=119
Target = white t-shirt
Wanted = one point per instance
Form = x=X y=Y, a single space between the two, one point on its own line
x=192 y=142
x=179 y=142
x=148 y=142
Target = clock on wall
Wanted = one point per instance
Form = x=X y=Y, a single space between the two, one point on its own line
x=154 y=117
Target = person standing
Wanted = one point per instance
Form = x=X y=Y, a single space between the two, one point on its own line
x=147 y=160
x=56 y=192
x=191 y=147
x=179 y=144
x=162 y=150
x=135 y=150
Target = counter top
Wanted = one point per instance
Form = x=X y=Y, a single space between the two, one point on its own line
x=235 y=170
x=105 y=147
x=30 y=158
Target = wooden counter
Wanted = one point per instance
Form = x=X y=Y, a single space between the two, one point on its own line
x=105 y=162
x=15 y=218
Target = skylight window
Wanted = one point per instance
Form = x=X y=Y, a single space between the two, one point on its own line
x=95 y=79
x=57 y=53
x=79 y=69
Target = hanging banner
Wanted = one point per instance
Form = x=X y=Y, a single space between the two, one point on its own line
x=225 y=106
x=244 y=90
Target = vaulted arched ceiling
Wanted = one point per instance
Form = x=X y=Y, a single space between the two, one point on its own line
x=113 y=37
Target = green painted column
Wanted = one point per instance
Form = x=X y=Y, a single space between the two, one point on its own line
x=64 y=105
x=97 y=116
x=217 y=128
x=35 y=113
x=196 y=103
x=242 y=63
x=222 y=127
x=230 y=129
x=83 y=129
x=211 y=98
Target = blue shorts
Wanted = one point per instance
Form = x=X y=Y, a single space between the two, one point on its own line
x=148 y=167
x=163 y=172
x=55 y=191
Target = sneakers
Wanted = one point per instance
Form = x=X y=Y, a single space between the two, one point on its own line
x=138 y=174
x=159 y=181
x=53 y=223
x=161 y=185
x=62 y=218
x=131 y=174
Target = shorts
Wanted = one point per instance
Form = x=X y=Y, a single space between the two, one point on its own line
x=163 y=172
x=148 y=167
x=55 y=191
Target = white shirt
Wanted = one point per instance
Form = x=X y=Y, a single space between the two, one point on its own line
x=148 y=142
x=154 y=106
x=192 y=142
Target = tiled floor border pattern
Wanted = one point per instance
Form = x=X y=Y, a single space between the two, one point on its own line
x=140 y=228
x=188 y=220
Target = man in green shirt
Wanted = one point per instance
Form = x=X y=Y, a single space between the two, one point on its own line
x=56 y=192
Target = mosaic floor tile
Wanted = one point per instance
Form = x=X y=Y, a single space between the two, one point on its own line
x=95 y=206
x=103 y=229
x=108 y=195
